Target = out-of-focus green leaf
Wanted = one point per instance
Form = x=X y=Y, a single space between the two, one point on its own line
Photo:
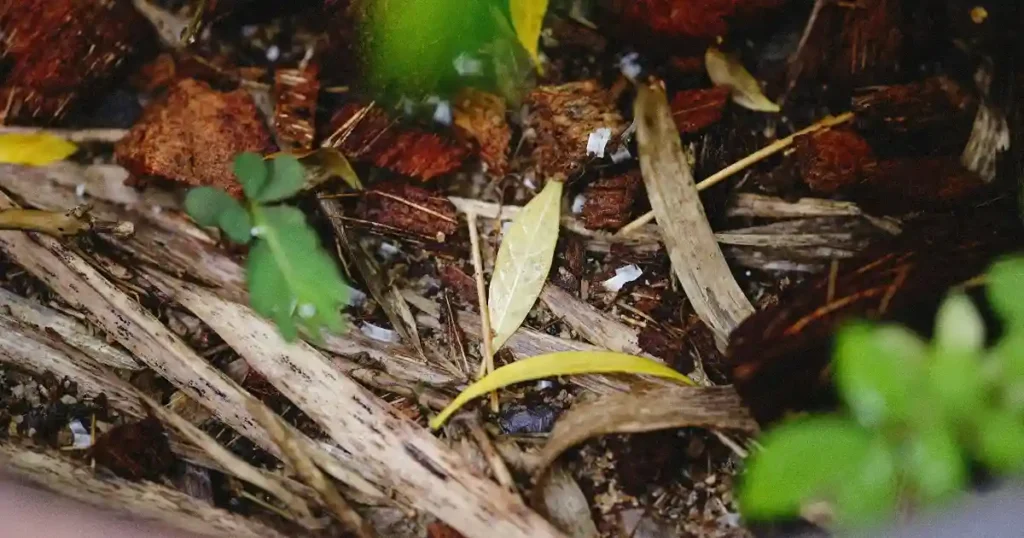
x=878 y=370
x=251 y=171
x=958 y=325
x=802 y=461
x=871 y=489
x=936 y=463
x=1005 y=290
x=206 y=204
x=292 y=279
x=417 y=48
x=957 y=381
x=1000 y=440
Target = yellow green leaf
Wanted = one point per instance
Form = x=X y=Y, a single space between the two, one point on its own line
x=558 y=364
x=523 y=262
x=528 y=20
x=35 y=149
x=726 y=70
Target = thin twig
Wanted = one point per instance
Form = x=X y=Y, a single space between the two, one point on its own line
x=487 y=365
x=414 y=205
x=494 y=459
x=753 y=158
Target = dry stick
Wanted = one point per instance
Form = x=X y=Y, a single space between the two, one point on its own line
x=497 y=464
x=757 y=156
x=487 y=365
x=309 y=472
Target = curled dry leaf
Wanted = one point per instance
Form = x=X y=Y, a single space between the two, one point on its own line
x=557 y=364
x=523 y=262
x=35 y=149
x=726 y=70
x=560 y=499
x=656 y=409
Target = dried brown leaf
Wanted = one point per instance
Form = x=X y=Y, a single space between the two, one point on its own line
x=654 y=409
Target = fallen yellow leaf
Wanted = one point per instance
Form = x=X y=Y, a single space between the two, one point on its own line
x=36 y=149
x=528 y=20
x=523 y=262
x=557 y=364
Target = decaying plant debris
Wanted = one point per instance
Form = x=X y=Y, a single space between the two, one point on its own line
x=681 y=225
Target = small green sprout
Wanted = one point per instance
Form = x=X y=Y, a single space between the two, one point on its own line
x=291 y=278
x=917 y=415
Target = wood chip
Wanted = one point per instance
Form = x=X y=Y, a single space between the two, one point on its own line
x=696 y=258
x=655 y=409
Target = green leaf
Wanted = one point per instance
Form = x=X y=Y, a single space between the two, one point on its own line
x=206 y=204
x=235 y=222
x=802 y=461
x=958 y=325
x=871 y=489
x=957 y=380
x=1001 y=441
x=286 y=179
x=251 y=171
x=292 y=279
x=935 y=463
x=1005 y=290
x=877 y=370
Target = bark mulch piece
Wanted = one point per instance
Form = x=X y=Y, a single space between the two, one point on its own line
x=609 y=202
x=368 y=134
x=62 y=52
x=193 y=136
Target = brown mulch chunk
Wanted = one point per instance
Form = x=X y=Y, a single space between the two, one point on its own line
x=697 y=20
x=563 y=118
x=779 y=357
x=407 y=207
x=933 y=116
x=193 y=136
x=920 y=183
x=694 y=110
x=134 y=451
x=61 y=52
x=367 y=134
x=481 y=116
x=667 y=348
x=609 y=201
x=296 y=92
x=462 y=284
x=833 y=159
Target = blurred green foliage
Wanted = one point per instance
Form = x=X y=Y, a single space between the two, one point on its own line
x=416 y=49
x=918 y=415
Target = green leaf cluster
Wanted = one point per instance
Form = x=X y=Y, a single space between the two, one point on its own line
x=917 y=415
x=291 y=278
